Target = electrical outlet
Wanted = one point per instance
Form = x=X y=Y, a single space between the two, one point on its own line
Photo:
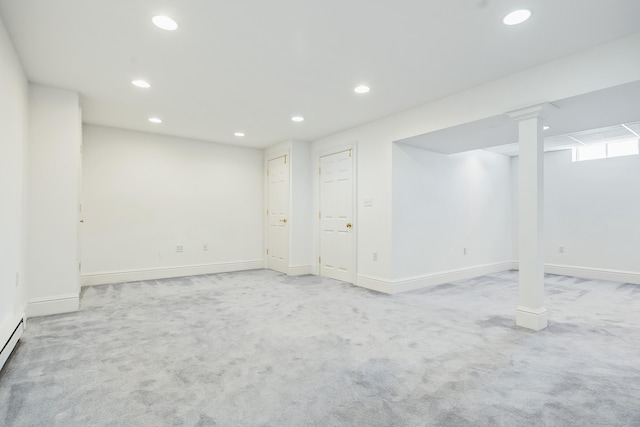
x=561 y=249
x=465 y=250
x=375 y=256
x=179 y=248
x=205 y=247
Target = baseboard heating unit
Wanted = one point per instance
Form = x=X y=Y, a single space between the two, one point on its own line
x=11 y=343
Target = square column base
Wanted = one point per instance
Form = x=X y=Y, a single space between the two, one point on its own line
x=535 y=319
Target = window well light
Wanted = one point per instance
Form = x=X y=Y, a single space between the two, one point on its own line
x=545 y=127
x=297 y=118
x=517 y=17
x=141 y=83
x=627 y=147
x=155 y=120
x=164 y=22
x=239 y=134
x=362 y=89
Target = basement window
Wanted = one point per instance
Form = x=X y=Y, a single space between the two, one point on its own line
x=623 y=148
x=628 y=147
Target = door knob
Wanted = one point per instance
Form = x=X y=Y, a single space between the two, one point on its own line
x=284 y=220
x=348 y=225
x=82 y=220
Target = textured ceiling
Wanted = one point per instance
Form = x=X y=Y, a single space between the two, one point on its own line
x=250 y=65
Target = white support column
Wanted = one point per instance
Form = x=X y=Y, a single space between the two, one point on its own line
x=531 y=312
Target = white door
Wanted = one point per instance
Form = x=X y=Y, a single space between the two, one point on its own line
x=278 y=214
x=337 y=258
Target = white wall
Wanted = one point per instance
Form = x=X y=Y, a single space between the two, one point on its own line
x=144 y=194
x=300 y=260
x=607 y=65
x=592 y=208
x=444 y=203
x=55 y=141
x=13 y=147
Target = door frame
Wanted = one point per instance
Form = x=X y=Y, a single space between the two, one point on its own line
x=79 y=212
x=354 y=202
x=272 y=155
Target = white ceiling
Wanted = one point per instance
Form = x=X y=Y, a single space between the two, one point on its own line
x=249 y=65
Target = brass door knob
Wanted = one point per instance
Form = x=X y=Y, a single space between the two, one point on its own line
x=284 y=220
x=348 y=225
x=82 y=220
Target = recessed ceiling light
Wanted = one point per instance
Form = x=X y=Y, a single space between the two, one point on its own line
x=545 y=127
x=362 y=89
x=517 y=17
x=239 y=134
x=164 y=22
x=155 y=120
x=141 y=83
x=297 y=118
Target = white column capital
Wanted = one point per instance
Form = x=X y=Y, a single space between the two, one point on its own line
x=530 y=112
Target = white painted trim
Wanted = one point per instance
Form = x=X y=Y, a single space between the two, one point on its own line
x=594 y=273
x=536 y=110
x=591 y=273
x=53 y=305
x=11 y=333
x=375 y=284
x=168 y=272
x=277 y=150
x=419 y=282
x=335 y=149
x=535 y=319
x=300 y=270
x=440 y=278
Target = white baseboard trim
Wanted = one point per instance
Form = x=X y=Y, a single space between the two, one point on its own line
x=300 y=270
x=375 y=284
x=104 y=278
x=419 y=282
x=54 y=305
x=435 y=279
x=591 y=273
x=594 y=273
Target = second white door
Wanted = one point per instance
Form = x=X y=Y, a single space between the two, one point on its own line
x=337 y=228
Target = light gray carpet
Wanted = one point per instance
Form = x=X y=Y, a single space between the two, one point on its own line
x=261 y=349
